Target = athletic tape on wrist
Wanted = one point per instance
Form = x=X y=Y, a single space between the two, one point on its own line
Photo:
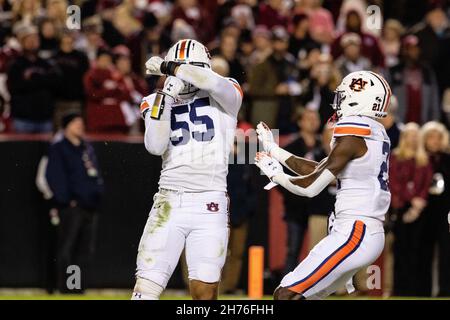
x=158 y=105
x=168 y=67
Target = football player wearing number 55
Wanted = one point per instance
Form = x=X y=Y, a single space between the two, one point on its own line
x=358 y=161
x=191 y=124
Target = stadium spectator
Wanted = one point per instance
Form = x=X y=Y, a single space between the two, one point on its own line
x=434 y=41
x=48 y=39
x=91 y=39
x=242 y=15
x=318 y=94
x=195 y=16
x=135 y=85
x=410 y=175
x=105 y=91
x=391 y=41
x=414 y=84
x=321 y=24
x=351 y=59
x=56 y=11
x=300 y=41
x=305 y=145
x=370 y=47
x=273 y=81
x=271 y=14
x=73 y=177
x=245 y=51
x=107 y=12
x=153 y=40
x=227 y=49
x=321 y=206
x=391 y=124
x=73 y=65
x=446 y=106
x=262 y=43
x=435 y=236
x=32 y=82
x=27 y=11
x=126 y=18
x=8 y=52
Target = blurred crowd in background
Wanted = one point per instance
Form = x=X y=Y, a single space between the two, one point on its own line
x=288 y=56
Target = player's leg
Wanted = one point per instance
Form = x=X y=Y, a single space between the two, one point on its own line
x=203 y=290
x=332 y=262
x=159 y=250
x=206 y=249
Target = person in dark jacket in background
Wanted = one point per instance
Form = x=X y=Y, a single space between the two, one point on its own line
x=241 y=190
x=32 y=82
x=75 y=181
x=435 y=238
x=296 y=214
x=391 y=123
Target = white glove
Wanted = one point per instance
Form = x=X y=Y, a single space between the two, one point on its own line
x=265 y=136
x=268 y=165
x=153 y=66
x=162 y=100
x=173 y=86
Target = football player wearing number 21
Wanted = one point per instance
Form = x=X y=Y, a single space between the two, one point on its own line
x=358 y=162
x=191 y=124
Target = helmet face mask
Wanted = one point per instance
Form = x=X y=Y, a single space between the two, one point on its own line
x=362 y=93
x=339 y=97
x=192 y=52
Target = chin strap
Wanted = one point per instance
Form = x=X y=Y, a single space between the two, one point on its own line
x=333 y=119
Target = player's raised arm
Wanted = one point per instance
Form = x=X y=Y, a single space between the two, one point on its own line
x=225 y=91
x=346 y=148
x=156 y=112
x=189 y=61
x=298 y=165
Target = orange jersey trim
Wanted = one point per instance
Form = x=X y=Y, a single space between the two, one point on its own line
x=238 y=87
x=333 y=260
x=144 y=105
x=352 y=131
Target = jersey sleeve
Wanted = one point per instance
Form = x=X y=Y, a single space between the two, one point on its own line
x=352 y=126
x=226 y=91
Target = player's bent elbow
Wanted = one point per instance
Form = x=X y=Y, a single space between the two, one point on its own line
x=155 y=149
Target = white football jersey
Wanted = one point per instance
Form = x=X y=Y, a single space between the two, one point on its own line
x=201 y=139
x=362 y=187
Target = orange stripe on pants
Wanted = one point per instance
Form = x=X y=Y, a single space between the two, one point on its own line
x=336 y=258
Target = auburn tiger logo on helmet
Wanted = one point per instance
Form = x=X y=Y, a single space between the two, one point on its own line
x=358 y=84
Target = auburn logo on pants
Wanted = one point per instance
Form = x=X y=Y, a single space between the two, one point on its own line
x=213 y=207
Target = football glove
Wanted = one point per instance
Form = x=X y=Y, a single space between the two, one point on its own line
x=268 y=165
x=157 y=66
x=265 y=136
